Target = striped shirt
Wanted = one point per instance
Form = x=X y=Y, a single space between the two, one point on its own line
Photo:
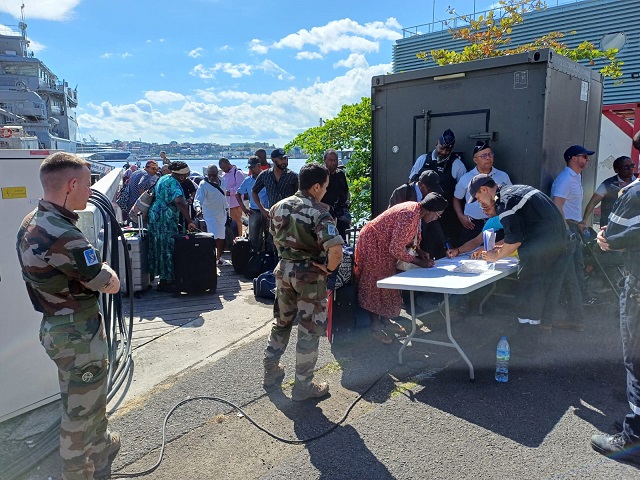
x=276 y=189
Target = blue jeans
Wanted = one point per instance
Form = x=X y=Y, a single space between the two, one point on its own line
x=630 y=332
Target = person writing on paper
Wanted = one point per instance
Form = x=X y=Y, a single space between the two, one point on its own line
x=534 y=226
x=382 y=242
x=492 y=223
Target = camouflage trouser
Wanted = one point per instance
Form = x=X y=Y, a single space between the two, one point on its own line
x=301 y=289
x=77 y=344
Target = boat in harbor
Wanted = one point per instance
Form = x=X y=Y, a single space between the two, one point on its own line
x=101 y=152
x=35 y=105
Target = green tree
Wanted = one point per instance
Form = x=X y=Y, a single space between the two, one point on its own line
x=349 y=130
x=489 y=36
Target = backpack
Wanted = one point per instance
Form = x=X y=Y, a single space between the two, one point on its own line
x=264 y=285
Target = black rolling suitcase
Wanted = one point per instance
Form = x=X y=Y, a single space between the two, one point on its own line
x=194 y=263
x=240 y=254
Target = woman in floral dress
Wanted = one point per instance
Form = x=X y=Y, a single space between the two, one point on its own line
x=163 y=223
x=381 y=243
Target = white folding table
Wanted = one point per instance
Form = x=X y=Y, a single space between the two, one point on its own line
x=442 y=279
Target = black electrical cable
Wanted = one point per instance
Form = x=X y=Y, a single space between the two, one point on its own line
x=296 y=441
x=119 y=335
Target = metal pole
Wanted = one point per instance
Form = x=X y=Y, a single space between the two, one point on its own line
x=433 y=17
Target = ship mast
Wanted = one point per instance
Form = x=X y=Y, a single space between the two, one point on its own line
x=23 y=29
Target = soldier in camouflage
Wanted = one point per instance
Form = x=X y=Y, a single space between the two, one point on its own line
x=63 y=274
x=310 y=248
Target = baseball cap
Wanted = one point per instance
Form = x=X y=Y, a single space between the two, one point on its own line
x=574 y=150
x=432 y=180
x=278 y=152
x=476 y=182
x=447 y=139
x=481 y=145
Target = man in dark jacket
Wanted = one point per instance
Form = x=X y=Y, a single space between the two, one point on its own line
x=450 y=168
x=433 y=241
x=623 y=233
x=337 y=196
x=534 y=227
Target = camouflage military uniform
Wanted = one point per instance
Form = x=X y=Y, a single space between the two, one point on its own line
x=303 y=231
x=56 y=257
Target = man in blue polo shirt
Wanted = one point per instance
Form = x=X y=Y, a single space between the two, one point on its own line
x=257 y=223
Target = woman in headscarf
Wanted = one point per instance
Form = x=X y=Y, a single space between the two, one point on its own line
x=163 y=223
x=381 y=244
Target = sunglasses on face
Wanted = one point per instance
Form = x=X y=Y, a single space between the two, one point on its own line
x=486 y=156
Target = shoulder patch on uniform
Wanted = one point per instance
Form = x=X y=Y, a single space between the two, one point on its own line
x=90 y=257
x=332 y=229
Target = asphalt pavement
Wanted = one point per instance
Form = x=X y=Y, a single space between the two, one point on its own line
x=422 y=419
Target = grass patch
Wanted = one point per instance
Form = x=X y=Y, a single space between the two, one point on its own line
x=402 y=389
x=336 y=366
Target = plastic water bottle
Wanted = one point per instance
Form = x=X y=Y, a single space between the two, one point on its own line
x=503 y=353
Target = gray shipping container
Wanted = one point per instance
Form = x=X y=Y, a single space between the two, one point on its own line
x=531 y=107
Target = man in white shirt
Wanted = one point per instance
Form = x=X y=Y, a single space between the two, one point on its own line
x=567 y=194
x=470 y=215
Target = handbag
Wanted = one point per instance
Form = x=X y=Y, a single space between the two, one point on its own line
x=143 y=204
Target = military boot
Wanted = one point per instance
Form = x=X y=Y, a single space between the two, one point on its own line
x=273 y=374
x=306 y=392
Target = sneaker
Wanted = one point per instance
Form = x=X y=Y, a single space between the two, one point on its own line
x=220 y=263
x=114 y=447
x=273 y=375
x=567 y=325
x=313 y=390
x=616 y=447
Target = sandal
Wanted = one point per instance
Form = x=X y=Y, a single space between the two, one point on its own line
x=394 y=327
x=381 y=336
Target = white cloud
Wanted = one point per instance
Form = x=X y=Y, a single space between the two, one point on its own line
x=162 y=75
x=256 y=46
x=196 y=52
x=149 y=41
x=308 y=55
x=57 y=10
x=111 y=55
x=233 y=115
x=268 y=66
x=355 y=60
x=225 y=48
x=337 y=35
x=161 y=40
x=203 y=72
x=163 y=96
x=236 y=71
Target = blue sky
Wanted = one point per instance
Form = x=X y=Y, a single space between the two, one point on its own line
x=216 y=70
